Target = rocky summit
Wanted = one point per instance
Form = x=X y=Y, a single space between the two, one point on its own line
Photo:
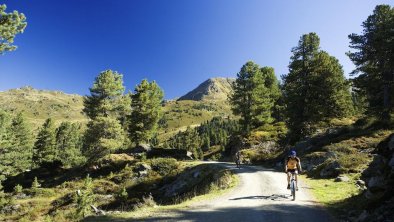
x=211 y=89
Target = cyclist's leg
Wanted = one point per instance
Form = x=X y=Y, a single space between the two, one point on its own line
x=288 y=180
x=296 y=179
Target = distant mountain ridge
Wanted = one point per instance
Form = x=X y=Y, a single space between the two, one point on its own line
x=212 y=89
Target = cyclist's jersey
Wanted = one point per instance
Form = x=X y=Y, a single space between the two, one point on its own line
x=292 y=163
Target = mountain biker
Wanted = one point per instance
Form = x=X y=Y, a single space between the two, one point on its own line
x=238 y=158
x=292 y=165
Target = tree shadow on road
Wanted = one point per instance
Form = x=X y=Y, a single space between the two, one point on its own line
x=277 y=212
x=277 y=197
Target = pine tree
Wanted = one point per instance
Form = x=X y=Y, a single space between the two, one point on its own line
x=315 y=88
x=374 y=60
x=69 y=144
x=106 y=107
x=45 y=146
x=252 y=99
x=106 y=97
x=84 y=198
x=15 y=144
x=11 y=25
x=103 y=136
x=146 y=109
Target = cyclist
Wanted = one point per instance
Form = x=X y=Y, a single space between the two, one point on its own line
x=238 y=158
x=292 y=165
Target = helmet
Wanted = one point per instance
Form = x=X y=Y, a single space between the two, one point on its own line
x=293 y=153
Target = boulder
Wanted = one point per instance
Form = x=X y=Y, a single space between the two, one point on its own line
x=342 y=178
x=142 y=169
x=391 y=162
x=331 y=170
x=376 y=183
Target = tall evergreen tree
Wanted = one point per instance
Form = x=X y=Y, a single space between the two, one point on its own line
x=146 y=110
x=374 y=60
x=106 y=107
x=11 y=24
x=69 y=144
x=20 y=151
x=252 y=99
x=103 y=136
x=45 y=146
x=106 y=97
x=315 y=88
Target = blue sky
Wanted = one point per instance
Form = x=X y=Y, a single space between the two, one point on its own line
x=178 y=43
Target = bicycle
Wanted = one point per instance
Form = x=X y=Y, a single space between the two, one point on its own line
x=293 y=185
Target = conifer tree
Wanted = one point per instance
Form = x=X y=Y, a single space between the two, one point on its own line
x=11 y=24
x=15 y=144
x=103 y=136
x=315 y=88
x=20 y=151
x=45 y=146
x=374 y=60
x=69 y=144
x=84 y=198
x=146 y=110
x=252 y=99
x=106 y=97
x=105 y=107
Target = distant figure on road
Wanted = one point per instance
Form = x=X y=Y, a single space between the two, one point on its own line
x=292 y=165
x=237 y=158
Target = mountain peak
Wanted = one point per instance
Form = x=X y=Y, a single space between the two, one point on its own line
x=212 y=89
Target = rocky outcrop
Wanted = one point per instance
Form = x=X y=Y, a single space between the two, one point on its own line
x=379 y=179
x=211 y=89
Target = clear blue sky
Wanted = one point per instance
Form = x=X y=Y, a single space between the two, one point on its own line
x=177 y=43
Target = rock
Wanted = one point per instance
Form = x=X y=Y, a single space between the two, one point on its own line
x=391 y=143
x=376 y=183
x=376 y=167
x=391 y=162
x=342 y=179
x=363 y=216
x=11 y=209
x=360 y=182
x=196 y=174
x=331 y=170
x=142 y=169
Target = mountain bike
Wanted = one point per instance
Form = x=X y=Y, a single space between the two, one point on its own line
x=293 y=185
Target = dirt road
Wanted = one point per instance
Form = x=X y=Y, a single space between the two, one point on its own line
x=260 y=196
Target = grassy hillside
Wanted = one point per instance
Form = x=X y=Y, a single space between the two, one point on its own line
x=38 y=105
x=178 y=115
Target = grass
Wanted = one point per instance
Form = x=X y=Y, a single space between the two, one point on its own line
x=335 y=196
x=146 y=212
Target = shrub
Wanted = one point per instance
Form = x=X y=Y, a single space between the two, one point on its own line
x=18 y=189
x=164 y=166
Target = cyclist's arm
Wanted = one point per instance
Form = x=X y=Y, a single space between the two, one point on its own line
x=299 y=165
x=286 y=165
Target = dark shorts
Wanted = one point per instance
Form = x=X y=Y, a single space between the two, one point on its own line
x=292 y=171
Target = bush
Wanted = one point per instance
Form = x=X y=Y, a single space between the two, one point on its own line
x=164 y=166
x=18 y=189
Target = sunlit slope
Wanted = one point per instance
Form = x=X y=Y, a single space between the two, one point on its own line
x=38 y=105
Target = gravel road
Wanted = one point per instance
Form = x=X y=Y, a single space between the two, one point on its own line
x=260 y=196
